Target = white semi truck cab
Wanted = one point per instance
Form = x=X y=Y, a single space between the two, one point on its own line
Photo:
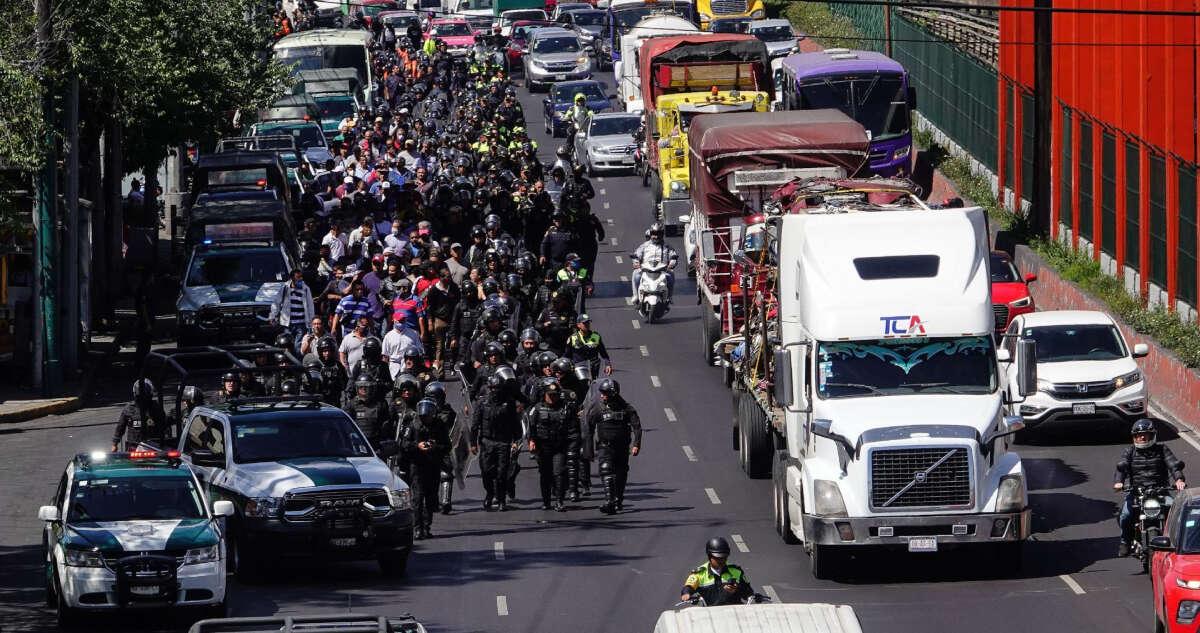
x=881 y=414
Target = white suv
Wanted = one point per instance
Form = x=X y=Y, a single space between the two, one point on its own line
x=1085 y=368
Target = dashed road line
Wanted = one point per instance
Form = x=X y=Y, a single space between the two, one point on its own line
x=624 y=277
x=687 y=450
x=602 y=192
x=637 y=325
x=620 y=260
x=712 y=496
x=501 y=605
x=1072 y=584
x=770 y=591
x=613 y=241
x=670 y=414
x=610 y=219
x=644 y=350
x=739 y=543
x=499 y=549
x=655 y=381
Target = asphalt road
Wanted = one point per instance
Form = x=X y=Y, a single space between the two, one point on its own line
x=533 y=571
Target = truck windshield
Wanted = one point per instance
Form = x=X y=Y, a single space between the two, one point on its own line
x=1059 y=343
x=337 y=107
x=878 y=102
x=891 y=367
x=331 y=56
x=134 y=498
x=238 y=266
x=297 y=436
x=306 y=134
x=626 y=18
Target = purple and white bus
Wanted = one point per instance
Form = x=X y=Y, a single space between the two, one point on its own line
x=869 y=87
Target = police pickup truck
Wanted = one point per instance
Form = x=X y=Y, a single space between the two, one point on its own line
x=303 y=480
x=132 y=530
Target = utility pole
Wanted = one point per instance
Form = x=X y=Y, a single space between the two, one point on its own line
x=887 y=30
x=1043 y=93
x=70 y=256
x=47 y=369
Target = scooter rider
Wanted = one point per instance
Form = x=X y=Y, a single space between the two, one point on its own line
x=717 y=581
x=1146 y=464
x=655 y=248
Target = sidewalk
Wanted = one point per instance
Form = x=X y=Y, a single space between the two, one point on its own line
x=21 y=405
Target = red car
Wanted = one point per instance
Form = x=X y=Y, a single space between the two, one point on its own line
x=371 y=8
x=519 y=39
x=1010 y=291
x=1175 y=566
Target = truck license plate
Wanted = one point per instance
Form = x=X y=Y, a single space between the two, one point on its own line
x=1084 y=409
x=922 y=544
x=343 y=542
x=149 y=590
x=560 y=78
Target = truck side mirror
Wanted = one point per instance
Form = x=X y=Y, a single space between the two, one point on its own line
x=789 y=370
x=208 y=459
x=912 y=98
x=1026 y=367
x=708 y=245
x=782 y=391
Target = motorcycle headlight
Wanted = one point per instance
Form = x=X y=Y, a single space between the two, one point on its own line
x=1187 y=611
x=678 y=186
x=82 y=558
x=1010 y=497
x=902 y=152
x=1131 y=378
x=262 y=507
x=1151 y=508
x=1023 y=302
x=828 y=499
x=400 y=499
x=198 y=555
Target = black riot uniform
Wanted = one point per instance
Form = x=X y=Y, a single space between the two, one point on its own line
x=553 y=427
x=332 y=374
x=371 y=412
x=448 y=418
x=141 y=420
x=556 y=323
x=495 y=431
x=426 y=442
x=372 y=366
x=618 y=430
x=406 y=393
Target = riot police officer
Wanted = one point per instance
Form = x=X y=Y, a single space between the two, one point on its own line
x=231 y=387
x=371 y=364
x=448 y=418
x=553 y=432
x=495 y=433
x=333 y=375
x=405 y=394
x=370 y=411
x=425 y=441
x=618 y=432
x=141 y=420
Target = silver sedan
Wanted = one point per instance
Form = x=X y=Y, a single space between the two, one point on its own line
x=607 y=141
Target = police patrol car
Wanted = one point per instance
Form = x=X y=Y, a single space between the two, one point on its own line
x=132 y=530
x=304 y=481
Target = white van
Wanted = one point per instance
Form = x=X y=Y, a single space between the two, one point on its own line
x=761 y=618
x=627 y=71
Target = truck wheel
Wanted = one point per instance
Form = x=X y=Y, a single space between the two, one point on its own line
x=737 y=443
x=66 y=617
x=756 y=440
x=821 y=560
x=394 y=564
x=656 y=192
x=783 y=519
x=709 y=330
x=247 y=566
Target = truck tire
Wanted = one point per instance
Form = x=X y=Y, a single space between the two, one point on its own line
x=783 y=519
x=757 y=449
x=247 y=566
x=644 y=172
x=656 y=192
x=709 y=330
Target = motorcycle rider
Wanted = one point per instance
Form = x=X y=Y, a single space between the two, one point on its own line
x=577 y=114
x=141 y=420
x=717 y=581
x=1146 y=464
x=655 y=249
x=553 y=426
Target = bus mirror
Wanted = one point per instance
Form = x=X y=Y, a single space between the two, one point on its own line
x=912 y=98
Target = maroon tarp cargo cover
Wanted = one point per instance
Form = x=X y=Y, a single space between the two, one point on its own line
x=721 y=144
x=726 y=48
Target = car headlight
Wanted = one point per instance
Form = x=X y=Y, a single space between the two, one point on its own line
x=400 y=499
x=828 y=499
x=1023 y=302
x=1187 y=584
x=758 y=15
x=1151 y=508
x=197 y=555
x=534 y=62
x=187 y=317
x=1044 y=385
x=1187 y=611
x=581 y=60
x=1010 y=497
x=82 y=558
x=262 y=507
x=902 y=152
x=678 y=186
x=1131 y=378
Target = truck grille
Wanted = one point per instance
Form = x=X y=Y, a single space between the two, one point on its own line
x=336 y=504
x=234 y=316
x=878 y=155
x=1081 y=390
x=939 y=477
x=728 y=7
x=1000 y=310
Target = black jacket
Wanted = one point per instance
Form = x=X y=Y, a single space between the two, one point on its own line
x=494 y=418
x=1156 y=466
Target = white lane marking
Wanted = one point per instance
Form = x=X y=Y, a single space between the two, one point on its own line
x=499 y=547
x=619 y=259
x=687 y=450
x=602 y=191
x=1187 y=437
x=613 y=241
x=655 y=381
x=501 y=605
x=644 y=350
x=610 y=219
x=624 y=277
x=739 y=543
x=637 y=325
x=670 y=415
x=628 y=301
x=770 y=591
x=1072 y=584
x=599 y=178
x=712 y=496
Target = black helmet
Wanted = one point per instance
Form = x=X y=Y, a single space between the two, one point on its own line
x=552 y=388
x=284 y=341
x=562 y=365
x=372 y=349
x=655 y=229
x=413 y=354
x=609 y=387
x=495 y=382
x=406 y=381
x=507 y=338
x=1144 y=427
x=495 y=348
x=530 y=334
x=289 y=387
x=543 y=359
x=436 y=391
x=230 y=376
x=365 y=382
x=492 y=221
x=717 y=547
x=312 y=364
x=491 y=314
x=326 y=343
x=491 y=286
x=506 y=374
x=143 y=389
x=562 y=152
x=426 y=409
x=193 y=394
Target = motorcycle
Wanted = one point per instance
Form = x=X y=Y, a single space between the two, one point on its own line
x=652 y=298
x=1150 y=506
x=698 y=600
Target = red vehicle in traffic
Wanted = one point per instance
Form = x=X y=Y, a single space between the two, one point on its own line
x=518 y=40
x=1175 y=566
x=1010 y=291
x=369 y=9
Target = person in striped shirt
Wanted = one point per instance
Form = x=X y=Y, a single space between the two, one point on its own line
x=351 y=307
x=293 y=309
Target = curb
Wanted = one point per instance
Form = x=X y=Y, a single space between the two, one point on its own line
x=56 y=407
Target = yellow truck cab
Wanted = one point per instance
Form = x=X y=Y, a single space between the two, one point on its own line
x=673 y=113
x=709 y=10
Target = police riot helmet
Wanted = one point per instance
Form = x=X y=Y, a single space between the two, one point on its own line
x=490 y=285
x=492 y=221
x=289 y=387
x=436 y=391
x=543 y=359
x=312 y=364
x=717 y=547
x=562 y=366
x=609 y=387
x=143 y=389
x=1144 y=433
x=495 y=382
x=426 y=409
x=507 y=338
x=326 y=344
x=413 y=354
x=372 y=349
x=494 y=348
x=530 y=334
x=406 y=381
x=365 y=385
x=193 y=394
x=284 y=340
x=230 y=376
x=490 y=314
x=552 y=389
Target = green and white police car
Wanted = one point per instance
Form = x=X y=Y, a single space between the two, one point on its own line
x=132 y=530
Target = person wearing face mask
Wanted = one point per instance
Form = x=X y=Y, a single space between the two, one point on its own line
x=394 y=239
x=293 y=309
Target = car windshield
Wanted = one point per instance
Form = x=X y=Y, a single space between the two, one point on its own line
x=251 y=176
x=451 y=29
x=773 y=33
x=374 y=9
x=336 y=107
x=878 y=102
x=306 y=135
x=556 y=45
x=729 y=26
x=625 y=18
x=608 y=126
x=566 y=94
x=588 y=18
x=889 y=367
x=1061 y=343
x=331 y=56
x=134 y=498
x=297 y=436
x=241 y=266
x=1003 y=270
x=530 y=14
x=399 y=22
x=471 y=5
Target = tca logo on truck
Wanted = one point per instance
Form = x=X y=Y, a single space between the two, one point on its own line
x=905 y=324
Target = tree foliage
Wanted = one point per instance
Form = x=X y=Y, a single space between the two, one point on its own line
x=22 y=129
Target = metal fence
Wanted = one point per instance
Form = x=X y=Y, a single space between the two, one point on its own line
x=868 y=20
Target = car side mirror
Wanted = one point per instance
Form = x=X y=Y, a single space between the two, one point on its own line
x=1161 y=544
x=685 y=219
x=1030 y=278
x=1141 y=350
x=208 y=459
x=612 y=96
x=388 y=448
x=48 y=513
x=222 y=508
x=1026 y=367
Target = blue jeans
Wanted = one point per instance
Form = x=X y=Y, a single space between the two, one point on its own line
x=1125 y=519
x=297 y=330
